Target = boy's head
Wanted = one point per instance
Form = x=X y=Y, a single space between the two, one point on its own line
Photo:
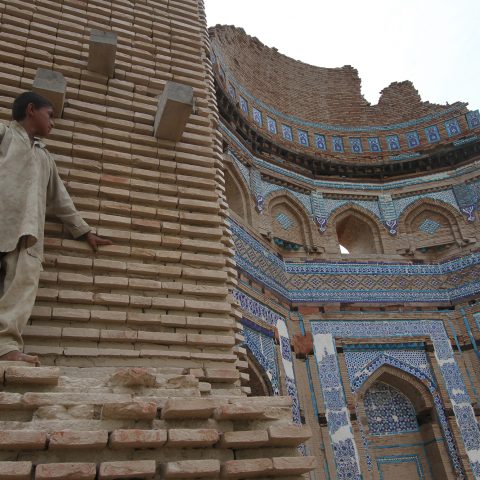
x=34 y=112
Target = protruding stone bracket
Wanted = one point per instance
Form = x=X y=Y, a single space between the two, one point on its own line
x=102 y=52
x=175 y=105
x=53 y=86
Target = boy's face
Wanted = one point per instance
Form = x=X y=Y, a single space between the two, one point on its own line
x=41 y=120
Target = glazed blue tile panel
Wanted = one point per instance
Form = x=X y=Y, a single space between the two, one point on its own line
x=432 y=134
x=244 y=170
x=465 y=194
x=446 y=196
x=269 y=188
x=413 y=140
x=257 y=117
x=473 y=119
x=325 y=184
x=231 y=91
x=387 y=208
x=429 y=226
x=388 y=411
x=243 y=105
x=401 y=459
x=452 y=127
x=285 y=221
x=356 y=145
x=303 y=138
x=374 y=144
x=332 y=204
x=393 y=142
x=320 y=142
x=287 y=133
x=271 y=125
x=337 y=144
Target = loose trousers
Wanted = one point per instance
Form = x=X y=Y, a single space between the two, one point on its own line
x=19 y=277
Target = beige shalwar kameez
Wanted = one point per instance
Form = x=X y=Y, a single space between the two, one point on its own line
x=29 y=185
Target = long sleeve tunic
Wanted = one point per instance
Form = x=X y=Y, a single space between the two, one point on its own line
x=29 y=184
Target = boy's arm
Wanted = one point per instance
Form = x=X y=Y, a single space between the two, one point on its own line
x=60 y=204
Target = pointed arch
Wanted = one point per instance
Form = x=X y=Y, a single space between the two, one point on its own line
x=290 y=219
x=357 y=229
x=238 y=194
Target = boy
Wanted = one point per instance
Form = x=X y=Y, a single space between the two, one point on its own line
x=29 y=184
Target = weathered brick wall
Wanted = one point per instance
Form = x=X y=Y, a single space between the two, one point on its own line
x=159 y=295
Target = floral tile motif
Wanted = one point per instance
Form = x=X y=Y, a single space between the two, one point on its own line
x=243 y=105
x=287 y=133
x=303 y=138
x=452 y=127
x=374 y=144
x=473 y=119
x=271 y=125
x=320 y=142
x=413 y=140
x=432 y=134
x=356 y=145
x=257 y=116
x=393 y=142
x=337 y=144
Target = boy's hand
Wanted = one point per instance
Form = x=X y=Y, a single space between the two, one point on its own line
x=95 y=241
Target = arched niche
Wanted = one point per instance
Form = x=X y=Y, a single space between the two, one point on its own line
x=357 y=230
x=289 y=219
x=259 y=382
x=237 y=194
x=417 y=426
x=433 y=228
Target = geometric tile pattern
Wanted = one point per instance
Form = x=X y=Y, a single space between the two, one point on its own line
x=413 y=140
x=332 y=388
x=287 y=133
x=271 y=125
x=356 y=281
x=452 y=127
x=356 y=145
x=374 y=144
x=429 y=226
x=303 y=138
x=264 y=314
x=432 y=134
x=388 y=411
x=285 y=221
x=393 y=142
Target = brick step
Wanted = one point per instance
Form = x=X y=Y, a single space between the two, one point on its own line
x=148 y=469
x=131 y=319
x=28 y=375
x=129 y=336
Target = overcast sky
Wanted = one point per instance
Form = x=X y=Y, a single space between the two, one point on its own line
x=433 y=43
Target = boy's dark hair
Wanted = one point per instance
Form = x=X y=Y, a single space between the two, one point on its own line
x=20 y=104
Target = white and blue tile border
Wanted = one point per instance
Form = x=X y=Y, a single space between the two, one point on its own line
x=345 y=452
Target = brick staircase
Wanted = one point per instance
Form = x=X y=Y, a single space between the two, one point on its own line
x=140 y=423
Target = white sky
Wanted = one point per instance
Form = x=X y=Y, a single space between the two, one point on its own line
x=433 y=43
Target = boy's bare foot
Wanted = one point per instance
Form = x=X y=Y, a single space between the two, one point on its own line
x=17 y=356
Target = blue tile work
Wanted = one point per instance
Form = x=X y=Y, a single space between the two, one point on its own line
x=285 y=221
x=356 y=281
x=261 y=313
x=388 y=411
x=263 y=349
x=257 y=116
x=325 y=332
x=446 y=196
x=320 y=142
x=303 y=138
x=243 y=105
x=231 y=91
x=374 y=144
x=401 y=459
x=393 y=142
x=452 y=127
x=271 y=125
x=337 y=144
x=413 y=140
x=356 y=145
x=287 y=133
x=429 y=226
x=473 y=119
x=243 y=169
x=319 y=210
x=347 y=186
x=466 y=195
x=432 y=134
